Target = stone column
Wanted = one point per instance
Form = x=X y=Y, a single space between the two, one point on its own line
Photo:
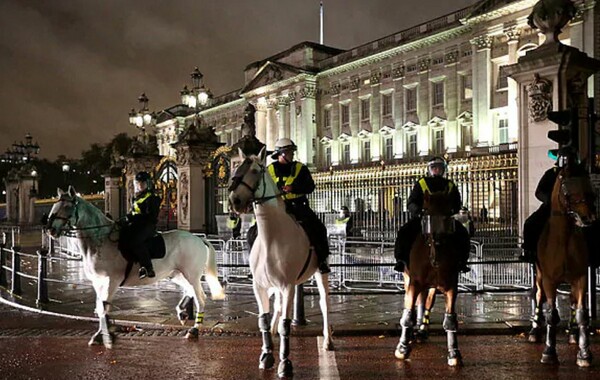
x=551 y=77
x=308 y=132
x=261 y=121
x=271 y=124
x=12 y=196
x=335 y=131
x=513 y=114
x=194 y=150
x=26 y=185
x=283 y=116
x=452 y=96
x=112 y=197
x=354 y=120
x=482 y=87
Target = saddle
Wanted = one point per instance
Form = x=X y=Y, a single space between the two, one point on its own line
x=156 y=250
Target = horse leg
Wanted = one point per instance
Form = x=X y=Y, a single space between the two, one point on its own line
x=572 y=327
x=406 y=322
x=200 y=303
x=451 y=326
x=276 y=312
x=549 y=355
x=184 y=308
x=266 y=359
x=537 y=322
x=285 y=368
x=323 y=286
x=424 y=313
x=584 y=356
x=104 y=293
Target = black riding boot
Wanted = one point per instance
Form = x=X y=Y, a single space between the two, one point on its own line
x=146 y=269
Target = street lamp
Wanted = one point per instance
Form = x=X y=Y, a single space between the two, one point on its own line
x=22 y=152
x=142 y=118
x=65 y=169
x=199 y=96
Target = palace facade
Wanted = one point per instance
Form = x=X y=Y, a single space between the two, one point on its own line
x=367 y=119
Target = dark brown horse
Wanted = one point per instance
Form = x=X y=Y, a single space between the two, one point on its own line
x=433 y=264
x=563 y=257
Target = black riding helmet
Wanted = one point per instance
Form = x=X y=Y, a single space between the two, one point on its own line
x=144 y=177
x=437 y=162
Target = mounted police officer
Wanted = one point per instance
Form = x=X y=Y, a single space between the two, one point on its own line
x=535 y=223
x=141 y=223
x=295 y=182
x=435 y=182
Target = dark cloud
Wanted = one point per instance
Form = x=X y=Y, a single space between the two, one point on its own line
x=71 y=70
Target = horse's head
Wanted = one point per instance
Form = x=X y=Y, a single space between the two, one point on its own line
x=248 y=182
x=437 y=213
x=63 y=212
x=574 y=195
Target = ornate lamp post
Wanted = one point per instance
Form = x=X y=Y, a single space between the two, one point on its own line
x=142 y=118
x=21 y=153
x=199 y=96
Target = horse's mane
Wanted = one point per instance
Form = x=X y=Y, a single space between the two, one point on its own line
x=92 y=216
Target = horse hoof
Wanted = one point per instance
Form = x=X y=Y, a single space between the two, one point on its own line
x=402 y=353
x=96 y=339
x=285 y=369
x=535 y=335
x=455 y=359
x=584 y=359
x=573 y=339
x=549 y=356
x=267 y=361
x=192 y=334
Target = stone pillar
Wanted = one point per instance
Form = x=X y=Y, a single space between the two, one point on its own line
x=194 y=150
x=112 y=195
x=482 y=87
x=354 y=120
x=551 y=77
x=283 y=116
x=452 y=96
x=513 y=111
x=261 y=121
x=308 y=131
x=12 y=196
x=271 y=124
x=27 y=184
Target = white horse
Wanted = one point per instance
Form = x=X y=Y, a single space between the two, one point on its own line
x=280 y=258
x=187 y=258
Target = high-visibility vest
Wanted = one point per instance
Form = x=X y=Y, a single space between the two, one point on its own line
x=287 y=181
x=136 y=204
x=342 y=221
x=425 y=188
x=232 y=223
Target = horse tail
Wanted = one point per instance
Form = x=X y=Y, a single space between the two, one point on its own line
x=211 y=275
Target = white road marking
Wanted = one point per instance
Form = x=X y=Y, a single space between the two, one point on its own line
x=328 y=369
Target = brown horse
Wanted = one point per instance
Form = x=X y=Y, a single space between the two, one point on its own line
x=563 y=257
x=433 y=264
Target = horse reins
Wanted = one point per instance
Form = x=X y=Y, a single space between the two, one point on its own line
x=69 y=230
x=239 y=180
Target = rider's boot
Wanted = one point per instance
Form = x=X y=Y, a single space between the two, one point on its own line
x=324 y=267
x=462 y=267
x=146 y=269
x=399 y=267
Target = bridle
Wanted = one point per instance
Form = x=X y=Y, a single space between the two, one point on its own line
x=566 y=197
x=431 y=238
x=238 y=179
x=69 y=227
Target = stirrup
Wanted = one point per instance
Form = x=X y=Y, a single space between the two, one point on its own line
x=143 y=273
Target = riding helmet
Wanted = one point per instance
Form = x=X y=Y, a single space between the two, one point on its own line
x=283 y=144
x=437 y=162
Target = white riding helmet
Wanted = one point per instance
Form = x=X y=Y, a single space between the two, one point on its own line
x=437 y=162
x=283 y=144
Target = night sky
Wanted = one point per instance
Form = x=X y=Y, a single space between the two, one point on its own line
x=70 y=70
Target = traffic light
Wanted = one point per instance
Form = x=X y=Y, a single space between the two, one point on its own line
x=567 y=134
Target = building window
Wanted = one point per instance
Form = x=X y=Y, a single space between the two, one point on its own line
x=346 y=154
x=366 y=151
x=467 y=87
x=503 y=131
x=411 y=148
x=438 y=94
x=386 y=105
x=502 y=79
x=365 y=109
x=411 y=99
x=438 y=141
x=345 y=111
x=328 y=156
x=388 y=144
x=327 y=118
